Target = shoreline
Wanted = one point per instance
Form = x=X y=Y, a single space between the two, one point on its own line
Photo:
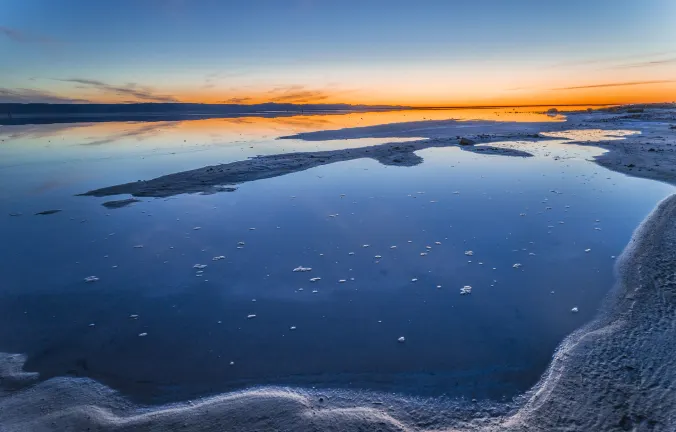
x=649 y=154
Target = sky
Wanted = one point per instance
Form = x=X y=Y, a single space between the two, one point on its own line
x=395 y=52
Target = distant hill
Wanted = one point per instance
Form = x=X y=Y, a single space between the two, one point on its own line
x=18 y=113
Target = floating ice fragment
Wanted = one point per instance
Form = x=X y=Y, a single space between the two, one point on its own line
x=401 y=339
x=143 y=334
x=292 y=328
x=218 y=258
x=342 y=281
x=469 y=253
x=315 y=279
x=522 y=214
x=240 y=243
x=92 y=325
x=91 y=279
x=314 y=291
x=414 y=280
x=350 y=253
x=365 y=246
x=197 y=228
x=466 y=290
x=199 y=266
x=423 y=253
x=232 y=363
x=437 y=242
x=378 y=257
x=133 y=316
x=574 y=310
x=252 y=229
x=302 y=269
x=393 y=247
x=516 y=266
x=251 y=316
x=138 y=247
x=587 y=250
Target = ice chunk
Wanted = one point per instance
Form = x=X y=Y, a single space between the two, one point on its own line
x=315 y=279
x=401 y=339
x=251 y=316
x=199 y=266
x=91 y=279
x=574 y=310
x=302 y=269
x=469 y=253
x=516 y=266
x=466 y=290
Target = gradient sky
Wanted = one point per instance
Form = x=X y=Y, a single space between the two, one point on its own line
x=412 y=52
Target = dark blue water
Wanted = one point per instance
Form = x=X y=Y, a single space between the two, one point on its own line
x=198 y=338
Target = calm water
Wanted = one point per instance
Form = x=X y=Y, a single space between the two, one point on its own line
x=198 y=337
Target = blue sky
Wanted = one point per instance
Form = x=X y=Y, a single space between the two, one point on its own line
x=411 y=52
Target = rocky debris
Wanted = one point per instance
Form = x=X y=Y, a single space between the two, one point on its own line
x=120 y=203
x=47 y=212
x=302 y=269
x=466 y=141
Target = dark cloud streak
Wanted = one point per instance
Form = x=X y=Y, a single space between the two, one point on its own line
x=647 y=64
x=23 y=37
x=131 y=89
x=34 y=96
x=622 y=84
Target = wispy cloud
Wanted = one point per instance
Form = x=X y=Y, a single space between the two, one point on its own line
x=24 y=37
x=145 y=94
x=23 y=95
x=647 y=64
x=296 y=94
x=620 y=84
x=237 y=100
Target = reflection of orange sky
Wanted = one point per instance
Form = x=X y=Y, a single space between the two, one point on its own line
x=264 y=127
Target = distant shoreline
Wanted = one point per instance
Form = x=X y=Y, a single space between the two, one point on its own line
x=23 y=114
x=15 y=114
